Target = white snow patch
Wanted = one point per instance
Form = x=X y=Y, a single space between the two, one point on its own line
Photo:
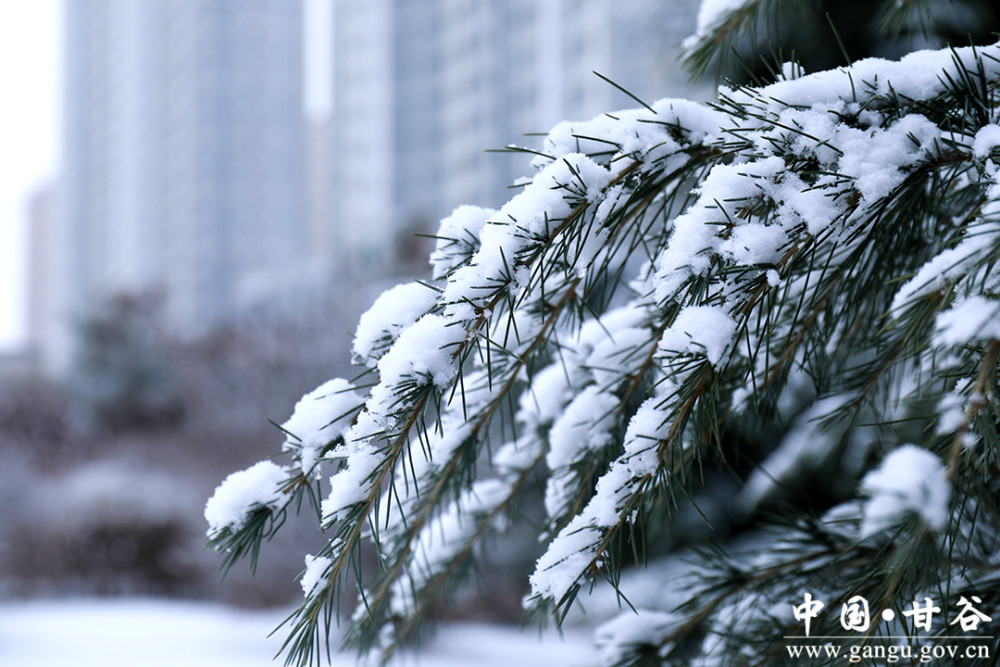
x=351 y=485
x=393 y=311
x=315 y=576
x=876 y=158
x=910 y=479
x=967 y=321
x=987 y=138
x=241 y=493
x=158 y=633
x=533 y=213
x=458 y=234
x=423 y=354
x=711 y=13
x=321 y=416
x=584 y=425
x=618 y=637
x=704 y=330
x=918 y=76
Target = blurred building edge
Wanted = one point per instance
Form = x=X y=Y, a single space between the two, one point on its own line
x=190 y=168
x=44 y=254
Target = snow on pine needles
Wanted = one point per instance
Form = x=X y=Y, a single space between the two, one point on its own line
x=815 y=256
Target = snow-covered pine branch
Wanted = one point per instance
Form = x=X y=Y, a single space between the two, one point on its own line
x=813 y=259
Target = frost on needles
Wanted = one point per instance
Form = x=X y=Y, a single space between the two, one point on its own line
x=809 y=264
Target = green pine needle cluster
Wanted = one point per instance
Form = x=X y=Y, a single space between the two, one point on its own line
x=786 y=299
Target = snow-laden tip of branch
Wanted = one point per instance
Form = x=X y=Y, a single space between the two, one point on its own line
x=573 y=551
x=314 y=577
x=917 y=76
x=985 y=141
x=532 y=214
x=583 y=429
x=910 y=480
x=394 y=311
x=320 y=417
x=259 y=486
x=706 y=330
x=638 y=134
x=711 y=15
x=458 y=238
x=423 y=355
x=968 y=321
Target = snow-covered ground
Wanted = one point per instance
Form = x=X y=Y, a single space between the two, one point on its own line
x=155 y=633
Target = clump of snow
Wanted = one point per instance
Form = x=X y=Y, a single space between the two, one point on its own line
x=919 y=75
x=566 y=559
x=619 y=637
x=549 y=391
x=636 y=134
x=393 y=311
x=951 y=411
x=954 y=412
x=314 y=578
x=910 y=479
x=967 y=321
x=458 y=238
x=704 y=330
x=711 y=14
x=571 y=553
x=533 y=213
x=618 y=356
x=351 y=484
x=754 y=243
x=585 y=424
x=695 y=236
x=320 y=417
x=876 y=158
x=423 y=354
x=987 y=138
x=241 y=493
x=515 y=457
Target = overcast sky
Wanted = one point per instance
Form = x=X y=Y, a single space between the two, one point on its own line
x=29 y=61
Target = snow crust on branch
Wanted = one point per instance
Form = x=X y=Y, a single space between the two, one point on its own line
x=259 y=486
x=910 y=479
x=711 y=14
x=394 y=311
x=319 y=418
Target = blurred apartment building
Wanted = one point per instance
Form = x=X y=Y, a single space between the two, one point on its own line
x=183 y=161
x=190 y=168
x=423 y=88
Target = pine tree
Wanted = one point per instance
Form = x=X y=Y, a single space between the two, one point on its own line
x=789 y=292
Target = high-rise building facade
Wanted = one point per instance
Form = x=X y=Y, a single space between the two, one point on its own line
x=183 y=157
x=423 y=88
x=186 y=170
